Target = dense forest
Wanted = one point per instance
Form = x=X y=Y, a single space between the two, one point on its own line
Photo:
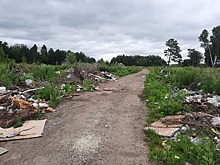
x=21 y=53
x=137 y=60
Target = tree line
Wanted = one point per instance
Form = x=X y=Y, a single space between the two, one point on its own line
x=137 y=60
x=21 y=53
x=211 y=45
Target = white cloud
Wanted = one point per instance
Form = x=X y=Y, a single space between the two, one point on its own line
x=103 y=29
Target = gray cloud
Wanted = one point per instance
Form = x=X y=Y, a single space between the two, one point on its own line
x=103 y=29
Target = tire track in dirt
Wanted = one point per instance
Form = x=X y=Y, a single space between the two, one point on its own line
x=103 y=128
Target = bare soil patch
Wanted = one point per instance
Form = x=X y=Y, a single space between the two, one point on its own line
x=103 y=127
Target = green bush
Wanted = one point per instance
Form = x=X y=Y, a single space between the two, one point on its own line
x=87 y=85
x=8 y=73
x=49 y=93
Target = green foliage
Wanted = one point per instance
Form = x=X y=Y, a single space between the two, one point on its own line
x=68 y=88
x=211 y=46
x=191 y=76
x=44 y=72
x=2 y=54
x=70 y=57
x=86 y=67
x=173 y=51
x=50 y=93
x=54 y=99
x=202 y=153
x=8 y=73
x=119 y=70
x=182 y=76
x=137 y=60
x=19 y=122
x=195 y=57
x=44 y=93
x=87 y=85
x=163 y=100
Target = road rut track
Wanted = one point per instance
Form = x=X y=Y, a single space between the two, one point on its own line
x=96 y=128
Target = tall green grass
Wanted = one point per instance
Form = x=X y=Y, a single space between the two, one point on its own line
x=8 y=73
x=209 y=78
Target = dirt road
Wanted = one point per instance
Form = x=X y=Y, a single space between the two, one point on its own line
x=95 y=128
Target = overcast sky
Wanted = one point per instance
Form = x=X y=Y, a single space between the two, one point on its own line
x=107 y=28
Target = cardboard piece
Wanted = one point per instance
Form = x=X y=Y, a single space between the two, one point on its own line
x=3 y=150
x=166 y=130
x=30 y=129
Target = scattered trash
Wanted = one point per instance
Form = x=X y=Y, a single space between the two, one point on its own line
x=216 y=121
x=2 y=89
x=29 y=82
x=50 y=109
x=30 y=129
x=2 y=108
x=214 y=131
x=40 y=105
x=3 y=150
x=176 y=157
x=18 y=101
x=58 y=122
x=196 y=140
x=188 y=163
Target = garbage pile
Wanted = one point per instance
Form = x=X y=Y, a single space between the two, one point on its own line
x=205 y=115
x=78 y=76
x=18 y=102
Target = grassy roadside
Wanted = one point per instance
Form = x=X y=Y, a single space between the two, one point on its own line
x=164 y=97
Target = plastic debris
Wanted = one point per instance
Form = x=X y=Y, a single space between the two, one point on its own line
x=40 y=105
x=213 y=100
x=176 y=157
x=216 y=121
x=188 y=163
x=2 y=108
x=2 y=89
x=214 y=131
